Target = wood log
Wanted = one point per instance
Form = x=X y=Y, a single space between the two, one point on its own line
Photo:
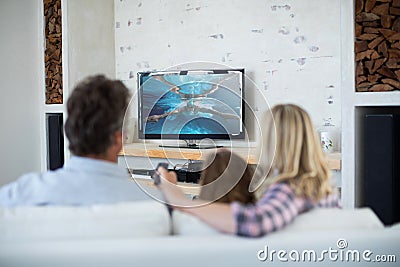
x=375 y=42
x=371 y=30
x=57 y=54
x=380 y=88
x=360 y=69
x=394 y=37
x=366 y=54
x=386 y=21
x=369 y=5
x=367 y=85
x=396 y=25
x=357 y=30
x=382 y=49
x=375 y=55
x=366 y=17
x=381 y=10
x=362 y=88
x=394 y=83
x=373 y=78
x=378 y=64
x=385 y=71
x=371 y=24
x=386 y=33
x=360 y=46
x=360 y=79
x=396 y=45
x=393 y=63
x=394 y=11
x=369 y=64
x=359 y=6
x=367 y=36
x=397 y=72
x=394 y=53
x=396 y=3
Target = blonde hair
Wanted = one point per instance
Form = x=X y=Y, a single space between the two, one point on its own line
x=228 y=177
x=291 y=152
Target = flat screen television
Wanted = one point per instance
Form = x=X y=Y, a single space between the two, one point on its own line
x=191 y=105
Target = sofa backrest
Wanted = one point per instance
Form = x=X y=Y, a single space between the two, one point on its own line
x=321 y=219
x=123 y=220
x=148 y=219
x=336 y=219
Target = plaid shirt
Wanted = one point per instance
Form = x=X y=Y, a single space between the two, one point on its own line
x=278 y=207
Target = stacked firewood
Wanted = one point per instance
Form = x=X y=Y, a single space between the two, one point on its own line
x=53 y=59
x=377 y=45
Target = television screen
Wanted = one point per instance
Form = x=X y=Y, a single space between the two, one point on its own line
x=191 y=104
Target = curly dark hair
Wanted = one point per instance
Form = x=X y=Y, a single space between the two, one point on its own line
x=96 y=109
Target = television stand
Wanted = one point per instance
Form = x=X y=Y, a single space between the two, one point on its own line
x=140 y=153
x=192 y=145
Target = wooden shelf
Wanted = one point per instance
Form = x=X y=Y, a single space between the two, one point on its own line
x=154 y=151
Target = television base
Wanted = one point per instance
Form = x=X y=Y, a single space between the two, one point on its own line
x=193 y=146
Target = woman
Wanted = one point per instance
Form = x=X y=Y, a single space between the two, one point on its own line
x=297 y=179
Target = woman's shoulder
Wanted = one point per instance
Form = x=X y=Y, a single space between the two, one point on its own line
x=280 y=187
x=279 y=190
x=284 y=190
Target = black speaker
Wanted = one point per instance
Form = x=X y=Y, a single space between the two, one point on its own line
x=55 y=141
x=382 y=164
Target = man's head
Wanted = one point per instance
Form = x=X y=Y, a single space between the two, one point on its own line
x=96 y=109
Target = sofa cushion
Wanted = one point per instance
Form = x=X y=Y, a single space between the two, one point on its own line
x=395 y=226
x=314 y=220
x=336 y=219
x=147 y=219
x=123 y=220
x=185 y=224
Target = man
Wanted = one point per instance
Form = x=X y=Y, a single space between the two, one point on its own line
x=96 y=110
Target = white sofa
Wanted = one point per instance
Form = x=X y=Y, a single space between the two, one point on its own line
x=137 y=234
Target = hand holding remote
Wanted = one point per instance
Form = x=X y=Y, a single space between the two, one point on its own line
x=156 y=176
x=157 y=180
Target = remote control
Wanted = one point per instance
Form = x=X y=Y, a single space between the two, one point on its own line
x=156 y=176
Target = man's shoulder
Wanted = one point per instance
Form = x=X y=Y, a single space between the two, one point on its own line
x=13 y=192
x=26 y=187
x=38 y=178
x=23 y=180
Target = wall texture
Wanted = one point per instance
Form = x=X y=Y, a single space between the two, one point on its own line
x=290 y=49
x=90 y=33
x=20 y=85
